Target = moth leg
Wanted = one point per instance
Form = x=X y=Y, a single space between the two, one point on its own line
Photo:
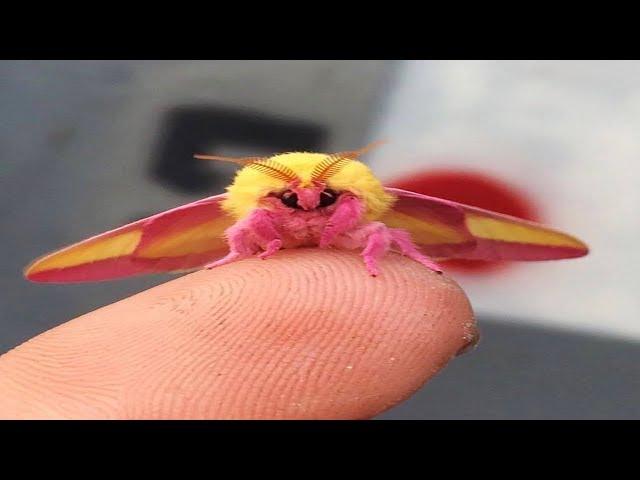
x=240 y=246
x=230 y=257
x=403 y=240
x=345 y=217
x=247 y=237
x=272 y=247
x=265 y=231
x=378 y=243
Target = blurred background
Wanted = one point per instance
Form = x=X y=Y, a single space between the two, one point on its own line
x=90 y=145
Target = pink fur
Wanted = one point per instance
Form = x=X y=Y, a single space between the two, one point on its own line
x=341 y=225
x=308 y=198
x=403 y=240
x=345 y=217
x=378 y=243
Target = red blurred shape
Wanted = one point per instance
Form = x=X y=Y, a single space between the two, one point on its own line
x=472 y=188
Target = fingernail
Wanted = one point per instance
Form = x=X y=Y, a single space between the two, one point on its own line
x=473 y=339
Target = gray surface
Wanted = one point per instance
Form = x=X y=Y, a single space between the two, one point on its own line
x=521 y=372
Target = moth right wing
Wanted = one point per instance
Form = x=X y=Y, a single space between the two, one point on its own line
x=445 y=229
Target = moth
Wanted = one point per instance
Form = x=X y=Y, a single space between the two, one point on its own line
x=302 y=199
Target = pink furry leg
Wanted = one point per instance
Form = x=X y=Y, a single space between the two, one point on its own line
x=263 y=229
x=272 y=247
x=378 y=243
x=403 y=240
x=239 y=247
x=248 y=236
x=345 y=217
x=230 y=257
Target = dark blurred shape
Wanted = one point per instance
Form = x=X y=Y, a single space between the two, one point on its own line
x=187 y=130
x=471 y=188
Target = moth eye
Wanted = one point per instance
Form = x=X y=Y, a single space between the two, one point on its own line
x=328 y=197
x=290 y=199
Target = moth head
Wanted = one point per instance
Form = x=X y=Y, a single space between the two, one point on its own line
x=303 y=181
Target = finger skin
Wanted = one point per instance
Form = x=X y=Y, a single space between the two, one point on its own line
x=306 y=334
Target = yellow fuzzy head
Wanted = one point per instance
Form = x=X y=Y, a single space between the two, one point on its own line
x=251 y=185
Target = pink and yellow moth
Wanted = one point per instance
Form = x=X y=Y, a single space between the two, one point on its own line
x=303 y=199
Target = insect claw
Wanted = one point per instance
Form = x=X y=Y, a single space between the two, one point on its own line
x=272 y=247
x=223 y=261
x=372 y=269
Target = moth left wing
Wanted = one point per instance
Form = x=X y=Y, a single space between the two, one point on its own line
x=183 y=238
x=445 y=229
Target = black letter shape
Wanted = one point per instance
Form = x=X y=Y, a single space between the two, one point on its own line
x=187 y=130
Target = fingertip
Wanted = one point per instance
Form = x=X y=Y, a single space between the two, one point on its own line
x=376 y=339
x=308 y=334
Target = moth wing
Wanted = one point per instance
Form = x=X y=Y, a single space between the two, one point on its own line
x=183 y=238
x=445 y=229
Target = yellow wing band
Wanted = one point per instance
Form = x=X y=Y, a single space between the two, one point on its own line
x=495 y=229
x=425 y=232
x=113 y=247
x=199 y=239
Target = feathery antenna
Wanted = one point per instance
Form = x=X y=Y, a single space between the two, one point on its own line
x=336 y=161
x=261 y=164
x=328 y=167
x=274 y=170
x=353 y=154
x=236 y=160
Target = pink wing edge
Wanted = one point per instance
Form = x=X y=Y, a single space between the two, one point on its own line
x=455 y=214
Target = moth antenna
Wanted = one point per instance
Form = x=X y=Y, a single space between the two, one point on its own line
x=354 y=154
x=244 y=161
x=274 y=170
x=328 y=167
x=261 y=164
x=336 y=161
